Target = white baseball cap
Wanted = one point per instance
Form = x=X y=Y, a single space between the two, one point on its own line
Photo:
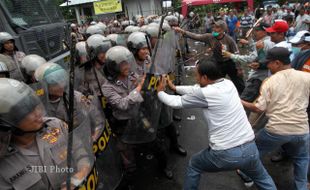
x=300 y=37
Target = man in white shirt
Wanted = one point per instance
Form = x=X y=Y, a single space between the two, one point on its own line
x=231 y=138
x=302 y=21
x=285 y=97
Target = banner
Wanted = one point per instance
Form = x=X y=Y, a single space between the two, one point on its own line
x=108 y=6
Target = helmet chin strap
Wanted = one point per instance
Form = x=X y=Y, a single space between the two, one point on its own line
x=19 y=132
x=15 y=130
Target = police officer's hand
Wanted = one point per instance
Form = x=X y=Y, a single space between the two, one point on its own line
x=161 y=84
x=226 y=54
x=179 y=30
x=170 y=84
x=140 y=83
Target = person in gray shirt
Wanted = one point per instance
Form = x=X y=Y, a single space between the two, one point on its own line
x=259 y=71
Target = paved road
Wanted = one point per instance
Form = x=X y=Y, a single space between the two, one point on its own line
x=193 y=136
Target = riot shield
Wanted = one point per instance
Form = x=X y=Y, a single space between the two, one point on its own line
x=81 y=168
x=83 y=157
x=108 y=159
x=143 y=127
x=164 y=54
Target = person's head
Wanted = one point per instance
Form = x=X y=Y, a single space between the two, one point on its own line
x=119 y=61
x=21 y=111
x=152 y=31
x=7 y=43
x=277 y=59
x=289 y=19
x=207 y=71
x=289 y=9
x=117 y=40
x=30 y=63
x=278 y=31
x=94 y=29
x=219 y=27
x=302 y=10
x=301 y=41
x=116 y=23
x=138 y=45
x=54 y=78
x=274 y=9
x=73 y=27
x=98 y=46
x=209 y=14
x=260 y=31
x=231 y=13
x=191 y=14
x=102 y=26
x=269 y=11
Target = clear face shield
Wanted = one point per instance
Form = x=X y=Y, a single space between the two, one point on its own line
x=120 y=62
x=56 y=82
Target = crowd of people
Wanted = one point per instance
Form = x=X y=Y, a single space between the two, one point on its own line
x=128 y=92
x=239 y=22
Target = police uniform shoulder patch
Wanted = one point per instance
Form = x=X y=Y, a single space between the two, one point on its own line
x=51 y=135
x=52 y=132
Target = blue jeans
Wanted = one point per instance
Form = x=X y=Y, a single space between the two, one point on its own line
x=244 y=157
x=295 y=146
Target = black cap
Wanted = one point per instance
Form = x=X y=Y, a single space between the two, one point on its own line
x=278 y=53
x=262 y=26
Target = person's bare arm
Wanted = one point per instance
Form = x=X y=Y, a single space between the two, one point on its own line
x=199 y=37
x=251 y=106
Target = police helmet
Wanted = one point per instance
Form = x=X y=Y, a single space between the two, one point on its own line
x=98 y=44
x=4 y=37
x=136 y=41
x=31 y=62
x=94 y=29
x=116 y=56
x=116 y=40
x=17 y=100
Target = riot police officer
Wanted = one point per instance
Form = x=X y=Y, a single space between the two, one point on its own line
x=55 y=81
x=138 y=43
x=33 y=147
x=29 y=64
x=92 y=71
x=132 y=127
x=10 y=55
x=76 y=36
x=116 y=27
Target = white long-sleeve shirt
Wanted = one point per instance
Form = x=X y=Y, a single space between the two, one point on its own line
x=226 y=119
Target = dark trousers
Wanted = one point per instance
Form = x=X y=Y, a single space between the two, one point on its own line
x=229 y=68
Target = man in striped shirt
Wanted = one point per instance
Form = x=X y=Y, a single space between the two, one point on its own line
x=246 y=23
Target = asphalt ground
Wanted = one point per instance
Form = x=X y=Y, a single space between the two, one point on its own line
x=194 y=137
